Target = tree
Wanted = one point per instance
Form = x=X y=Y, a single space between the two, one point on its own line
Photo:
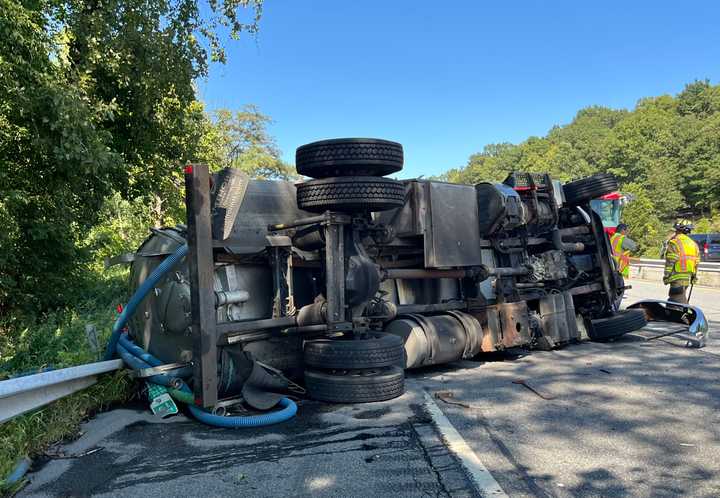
x=56 y=163
x=699 y=98
x=142 y=58
x=96 y=97
x=666 y=151
x=241 y=140
x=645 y=227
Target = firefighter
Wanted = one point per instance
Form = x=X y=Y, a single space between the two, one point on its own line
x=681 y=262
x=621 y=246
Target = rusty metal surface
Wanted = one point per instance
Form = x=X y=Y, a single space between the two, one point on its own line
x=515 y=324
x=202 y=273
x=335 y=272
x=504 y=326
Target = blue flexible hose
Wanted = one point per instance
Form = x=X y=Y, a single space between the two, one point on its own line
x=138 y=358
x=131 y=347
x=140 y=294
x=288 y=409
x=137 y=364
x=21 y=468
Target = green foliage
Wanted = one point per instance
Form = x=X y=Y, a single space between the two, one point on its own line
x=57 y=166
x=709 y=224
x=666 y=151
x=645 y=227
x=97 y=98
x=57 y=339
x=241 y=140
x=142 y=58
x=123 y=225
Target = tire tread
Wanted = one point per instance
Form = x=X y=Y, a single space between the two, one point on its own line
x=350 y=194
x=617 y=325
x=349 y=156
x=383 y=350
x=586 y=189
x=331 y=388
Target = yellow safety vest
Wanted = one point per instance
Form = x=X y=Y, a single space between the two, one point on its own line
x=681 y=258
x=622 y=258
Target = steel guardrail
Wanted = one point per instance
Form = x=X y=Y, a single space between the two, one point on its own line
x=660 y=263
x=23 y=394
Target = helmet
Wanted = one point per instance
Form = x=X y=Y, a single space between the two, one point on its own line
x=683 y=226
x=621 y=227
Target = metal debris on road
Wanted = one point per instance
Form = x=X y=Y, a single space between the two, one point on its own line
x=523 y=382
x=60 y=456
x=445 y=396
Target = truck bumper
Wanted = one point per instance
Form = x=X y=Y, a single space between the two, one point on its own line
x=685 y=314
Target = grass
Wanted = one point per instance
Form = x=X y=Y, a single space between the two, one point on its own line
x=58 y=339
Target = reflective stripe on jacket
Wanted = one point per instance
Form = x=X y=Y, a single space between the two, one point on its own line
x=681 y=258
x=621 y=257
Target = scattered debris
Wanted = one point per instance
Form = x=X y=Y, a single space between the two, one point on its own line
x=523 y=382
x=445 y=396
x=75 y=455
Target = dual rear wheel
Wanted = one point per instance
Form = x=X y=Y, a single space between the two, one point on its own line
x=355 y=370
x=348 y=175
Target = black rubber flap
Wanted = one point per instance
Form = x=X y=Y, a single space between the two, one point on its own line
x=263 y=389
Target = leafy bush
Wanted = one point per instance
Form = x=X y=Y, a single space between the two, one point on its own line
x=123 y=225
x=644 y=226
x=56 y=164
x=708 y=224
x=57 y=339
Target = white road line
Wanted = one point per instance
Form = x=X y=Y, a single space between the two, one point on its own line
x=483 y=479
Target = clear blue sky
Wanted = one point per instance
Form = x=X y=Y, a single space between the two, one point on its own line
x=446 y=78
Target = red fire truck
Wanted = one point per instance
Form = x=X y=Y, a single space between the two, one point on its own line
x=609 y=207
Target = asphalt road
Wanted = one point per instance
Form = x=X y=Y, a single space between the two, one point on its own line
x=629 y=418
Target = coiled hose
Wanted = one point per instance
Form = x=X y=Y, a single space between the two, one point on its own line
x=288 y=408
x=148 y=284
x=137 y=358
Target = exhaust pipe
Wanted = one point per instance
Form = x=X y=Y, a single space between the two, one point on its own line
x=434 y=340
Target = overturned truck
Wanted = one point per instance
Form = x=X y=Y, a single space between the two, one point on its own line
x=345 y=280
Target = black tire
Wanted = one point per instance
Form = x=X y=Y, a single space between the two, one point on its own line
x=350 y=194
x=226 y=197
x=619 y=294
x=355 y=386
x=349 y=157
x=583 y=190
x=376 y=351
x=617 y=325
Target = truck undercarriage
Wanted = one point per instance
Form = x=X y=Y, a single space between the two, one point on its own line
x=344 y=281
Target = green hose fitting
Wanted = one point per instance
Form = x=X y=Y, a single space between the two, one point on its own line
x=182 y=396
